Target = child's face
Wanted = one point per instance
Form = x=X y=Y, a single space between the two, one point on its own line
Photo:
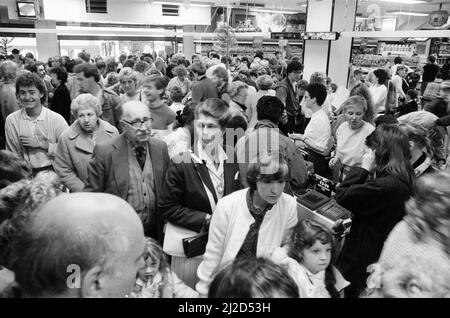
x=150 y=269
x=317 y=257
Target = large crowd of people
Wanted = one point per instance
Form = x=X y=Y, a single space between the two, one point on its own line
x=159 y=176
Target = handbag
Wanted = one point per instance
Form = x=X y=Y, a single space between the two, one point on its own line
x=181 y=242
x=195 y=245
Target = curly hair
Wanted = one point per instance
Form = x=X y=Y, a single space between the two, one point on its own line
x=18 y=201
x=428 y=211
x=303 y=236
x=154 y=252
x=180 y=70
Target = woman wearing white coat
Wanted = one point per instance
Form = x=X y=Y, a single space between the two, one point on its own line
x=250 y=222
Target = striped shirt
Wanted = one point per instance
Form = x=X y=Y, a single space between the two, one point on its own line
x=47 y=126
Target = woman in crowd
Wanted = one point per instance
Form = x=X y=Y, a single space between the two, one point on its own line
x=195 y=181
x=180 y=80
x=415 y=260
x=420 y=147
x=60 y=102
x=378 y=90
x=427 y=223
x=351 y=136
x=76 y=144
x=251 y=222
x=265 y=84
x=182 y=138
x=238 y=94
x=129 y=84
x=377 y=204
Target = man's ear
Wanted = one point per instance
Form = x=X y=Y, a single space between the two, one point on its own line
x=91 y=283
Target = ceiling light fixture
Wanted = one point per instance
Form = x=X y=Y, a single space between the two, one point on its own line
x=272 y=11
x=415 y=14
x=404 y=1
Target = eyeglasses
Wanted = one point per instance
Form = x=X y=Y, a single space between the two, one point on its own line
x=138 y=123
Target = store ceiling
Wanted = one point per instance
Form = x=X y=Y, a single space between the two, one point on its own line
x=427 y=7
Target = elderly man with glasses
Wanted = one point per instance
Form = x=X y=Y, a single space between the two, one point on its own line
x=132 y=166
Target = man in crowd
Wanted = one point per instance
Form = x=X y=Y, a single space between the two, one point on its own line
x=160 y=62
x=88 y=78
x=33 y=131
x=80 y=245
x=287 y=92
x=430 y=70
x=266 y=138
x=132 y=166
x=203 y=88
x=317 y=137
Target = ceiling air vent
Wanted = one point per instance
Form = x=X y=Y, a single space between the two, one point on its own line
x=170 y=10
x=96 y=6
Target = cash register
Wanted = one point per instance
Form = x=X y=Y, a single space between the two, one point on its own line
x=317 y=203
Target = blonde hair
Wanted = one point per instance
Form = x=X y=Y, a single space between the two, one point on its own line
x=85 y=101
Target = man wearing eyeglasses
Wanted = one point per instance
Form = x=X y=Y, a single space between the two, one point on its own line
x=132 y=166
x=287 y=92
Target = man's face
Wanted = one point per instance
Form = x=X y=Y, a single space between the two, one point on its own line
x=137 y=124
x=150 y=91
x=41 y=71
x=295 y=76
x=309 y=102
x=29 y=97
x=85 y=84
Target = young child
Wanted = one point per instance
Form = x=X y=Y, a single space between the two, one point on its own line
x=153 y=87
x=308 y=260
x=156 y=280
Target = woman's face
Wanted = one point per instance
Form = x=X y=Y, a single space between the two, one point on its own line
x=87 y=119
x=208 y=131
x=129 y=86
x=354 y=115
x=270 y=191
x=150 y=269
x=241 y=96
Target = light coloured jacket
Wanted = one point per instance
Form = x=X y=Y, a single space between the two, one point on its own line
x=74 y=151
x=229 y=226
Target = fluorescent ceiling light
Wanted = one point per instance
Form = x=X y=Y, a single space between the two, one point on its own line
x=180 y=4
x=415 y=14
x=404 y=1
x=272 y=11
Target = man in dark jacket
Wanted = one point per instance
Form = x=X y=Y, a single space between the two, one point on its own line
x=132 y=166
x=203 y=88
x=430 y=70
x=88 y=78
x=287 y=92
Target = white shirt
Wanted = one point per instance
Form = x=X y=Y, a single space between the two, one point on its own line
x=230 y=224
x=47 y=126
x=379 y=95
x=318 y=130
x=216 y=174
x=350 y=143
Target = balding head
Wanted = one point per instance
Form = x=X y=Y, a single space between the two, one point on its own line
x=81 y=244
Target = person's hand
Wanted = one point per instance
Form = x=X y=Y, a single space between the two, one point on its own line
x=296 y=136
x=368 y=160
x=333 y=162
x=338 y=228
x=206 y=224
x=33 y=142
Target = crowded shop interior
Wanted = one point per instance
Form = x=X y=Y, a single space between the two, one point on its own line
x=225 y=149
